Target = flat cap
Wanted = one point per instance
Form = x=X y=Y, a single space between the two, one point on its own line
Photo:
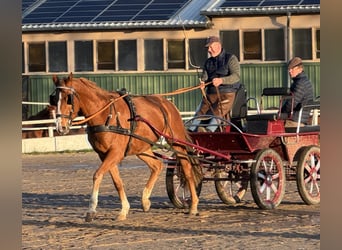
x=212 y=39
x=296 y=61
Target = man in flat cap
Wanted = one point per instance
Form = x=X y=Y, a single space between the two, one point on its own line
x=302 y=90
x=220 y=80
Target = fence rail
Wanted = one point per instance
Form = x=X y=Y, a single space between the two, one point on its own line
x=185 y=116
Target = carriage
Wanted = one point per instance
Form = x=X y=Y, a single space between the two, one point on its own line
x=256 y=149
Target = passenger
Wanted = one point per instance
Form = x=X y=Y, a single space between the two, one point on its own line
x=222 y=71
x=302 y=90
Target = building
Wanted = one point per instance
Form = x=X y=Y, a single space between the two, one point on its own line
x=156 y=46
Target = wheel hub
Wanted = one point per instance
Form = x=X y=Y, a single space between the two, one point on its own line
x=269 y=179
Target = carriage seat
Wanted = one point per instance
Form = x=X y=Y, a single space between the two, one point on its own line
x=265 y=117
x=306 y=128
x=264 y=123
x=313 y=127
x=278 y=91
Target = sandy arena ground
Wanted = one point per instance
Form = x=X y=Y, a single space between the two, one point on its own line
x=56 y=190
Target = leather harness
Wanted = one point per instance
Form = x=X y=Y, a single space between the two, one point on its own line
x=118 y=128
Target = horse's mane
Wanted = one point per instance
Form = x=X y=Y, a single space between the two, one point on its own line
x=93 y=85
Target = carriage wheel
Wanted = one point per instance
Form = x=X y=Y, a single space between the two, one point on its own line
x=231 y=191
x=178 y=192
x=267 y=179
x=309 y=175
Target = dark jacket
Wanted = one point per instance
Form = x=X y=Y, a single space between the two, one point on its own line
x=302 y=90
x=225 y=66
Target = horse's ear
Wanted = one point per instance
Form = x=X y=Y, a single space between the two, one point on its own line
x=70 y=76
x=55 y=79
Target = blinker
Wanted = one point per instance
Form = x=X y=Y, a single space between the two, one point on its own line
x=70 y=99
x=53 y=99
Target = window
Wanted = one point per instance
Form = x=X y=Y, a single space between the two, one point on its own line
x=274 y=44
x=198 y=53
x=176 y=54
x=36 y=58
x=105 y=55
x=84 y=56
x=154 y=55
x=127 y=55
x=230 y=42
x=58 y=57
x=318 y=43
x=302 y=43
x=22 y=58
x=252 y=45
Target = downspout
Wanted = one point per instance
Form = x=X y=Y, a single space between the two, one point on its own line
x=288 y=53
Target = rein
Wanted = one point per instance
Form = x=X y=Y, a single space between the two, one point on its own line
x=99 y=111
x=176 y=92
x=181 y=90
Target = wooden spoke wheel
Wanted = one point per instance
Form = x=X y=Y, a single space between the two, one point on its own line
x=232 y=189
x=177 y=189
x=267 y=179
x=308 y=175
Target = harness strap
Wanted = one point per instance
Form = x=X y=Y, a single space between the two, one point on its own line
x=110 y=128
x=109 y=115
x=118 y=128
x=132 y=110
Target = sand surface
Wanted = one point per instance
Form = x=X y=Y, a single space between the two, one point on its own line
x=55 y=195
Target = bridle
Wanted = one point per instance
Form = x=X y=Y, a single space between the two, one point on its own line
x=55 y=100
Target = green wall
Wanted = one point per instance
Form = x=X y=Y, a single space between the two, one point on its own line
x=255 y=76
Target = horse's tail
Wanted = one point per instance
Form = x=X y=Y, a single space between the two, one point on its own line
x=196 y=167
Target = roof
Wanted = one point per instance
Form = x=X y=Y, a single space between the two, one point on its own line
x=67 y=15
x=262 y=7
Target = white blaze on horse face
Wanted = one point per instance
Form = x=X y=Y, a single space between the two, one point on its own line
x=59 y=126
x=58 y=111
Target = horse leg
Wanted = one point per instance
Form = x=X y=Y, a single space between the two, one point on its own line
x=188 y=173
x=97 y=178
x=118 y=183
x=155 y=166
x=108 y=164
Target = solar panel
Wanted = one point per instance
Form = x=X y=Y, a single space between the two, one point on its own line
x=57 y=11
x=310 y=2
x=60 y=11
x=25 y=4
x=258 y=3
x=159 y=11
x=280 y=2
x=84 y=11
x=240 y=3
x=48 y=11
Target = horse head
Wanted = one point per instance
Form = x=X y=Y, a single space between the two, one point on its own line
x=63 y=99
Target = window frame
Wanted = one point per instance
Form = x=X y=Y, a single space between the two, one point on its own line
x=169 y=48
x=111 y=64
x=317 y=45
x=301 y=47
x=31 y=46
x=121 y=54
x=49 y=55
x=147 y=55
x=281 y=49
x=91 y=60
x=255 y=49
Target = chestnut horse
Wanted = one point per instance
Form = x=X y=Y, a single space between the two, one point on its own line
x=46 y=113
x=114 y=133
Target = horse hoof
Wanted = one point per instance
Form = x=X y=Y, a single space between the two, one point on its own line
x=121 y=217
x=146 y=205
x=90 y=216
x=194 y=213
